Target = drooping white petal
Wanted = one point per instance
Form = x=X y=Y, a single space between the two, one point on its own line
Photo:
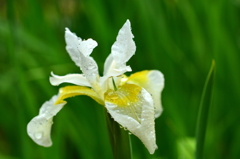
x=133 y=108
x=77 y=79
x=153 y=82
x=72 y=42
x=122 y=50
x=155 y=87
x=39 y=128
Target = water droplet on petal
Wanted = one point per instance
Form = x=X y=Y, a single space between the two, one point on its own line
x=38 y=135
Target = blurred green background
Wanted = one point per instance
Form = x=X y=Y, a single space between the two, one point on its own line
x=178 y=37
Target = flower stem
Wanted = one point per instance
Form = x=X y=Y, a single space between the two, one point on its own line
x=114 y=84
x=119 y=138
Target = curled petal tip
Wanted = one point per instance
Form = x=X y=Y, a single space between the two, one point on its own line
x=39 y=128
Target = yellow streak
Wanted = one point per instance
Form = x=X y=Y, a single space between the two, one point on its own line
x=139 y=78
x=71 y=91
x=126 y=95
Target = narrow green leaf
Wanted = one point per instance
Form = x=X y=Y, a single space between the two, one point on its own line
x=119 y=138
x=203 y=112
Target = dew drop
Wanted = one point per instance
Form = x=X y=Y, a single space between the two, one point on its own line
x=38 y=135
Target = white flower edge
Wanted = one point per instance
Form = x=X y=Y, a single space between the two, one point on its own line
x=156 y=85
x=39 y=128
x=145 y=130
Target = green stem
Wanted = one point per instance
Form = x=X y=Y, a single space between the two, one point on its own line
x=114 y=84
x=203 y=113
x=119 y=138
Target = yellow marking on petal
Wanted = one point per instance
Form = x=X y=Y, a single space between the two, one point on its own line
x=126 y=99
x=125 y=95
x=139 y=78
x=71 y=91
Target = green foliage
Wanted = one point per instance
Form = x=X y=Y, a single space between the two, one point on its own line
x=179 y=38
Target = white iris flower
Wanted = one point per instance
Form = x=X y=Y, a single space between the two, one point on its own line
x=134 y=102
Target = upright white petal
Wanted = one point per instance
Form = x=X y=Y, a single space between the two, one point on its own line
x=111 y=68
x=39 y=128
x=72 y=42
x=122 y=50
x=109 y=64
x=79 y=50
x=77 y=79
x=90 y=70
x=87 y=63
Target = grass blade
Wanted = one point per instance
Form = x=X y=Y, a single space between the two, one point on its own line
x=203 y=112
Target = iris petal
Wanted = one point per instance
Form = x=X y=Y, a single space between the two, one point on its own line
x=39 y=128
x=72 y=46
x=79 y=50
x=77 y=79
x=124 y=47
x=122 y=50
x=90 y=70
x=132 y=107
x=153 y=82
